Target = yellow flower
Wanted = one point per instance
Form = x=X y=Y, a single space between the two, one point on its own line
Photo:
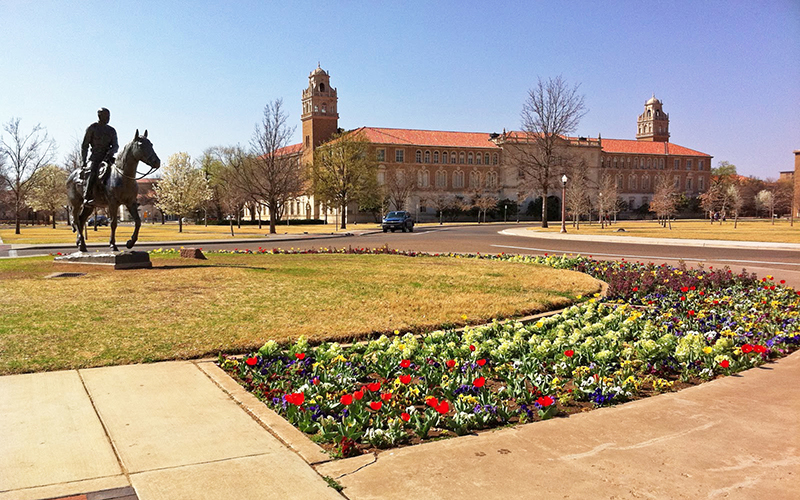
x=397 y=332
x=464 y=316
x=707 y=350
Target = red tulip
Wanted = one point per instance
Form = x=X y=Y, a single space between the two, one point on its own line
x=300 y=356
x=569 y=353
x=386 y=396
x=746 y=348
x=405 y=379
x=472 y=348
x=479 y=382
x=636 y=289
x=443 y=407
x=725 y=363
x=374 y=386
x=432 y=402
x=405 y=416
x=405 y=363
x=296 y=398
x=375 y=405
x=251 y=361
x=359 y=394
x=545 y=401
x=481 y=362
x=760 y=348
x=450 y=363
x=346 y=400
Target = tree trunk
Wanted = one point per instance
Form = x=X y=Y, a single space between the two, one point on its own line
x=273 y=214
x=54 y=219
x=344 y=216
x=544 y=210
x=180 y=224
x=231 y=221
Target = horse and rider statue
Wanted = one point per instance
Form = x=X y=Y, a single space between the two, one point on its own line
x=104 y=181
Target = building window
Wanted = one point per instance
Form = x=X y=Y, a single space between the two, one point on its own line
x=461 y=157
x=381 y=177
x=632 y=182
x=661 y=163
x=676 y=181
x=491 y=180
x=444 y=157
x=677 y=164
x=458 y=179
x=636 y=163
x=308 y=141
x=418 y=156
x=479 y=158
x=453 y=158
x=700 y=165
x=615 y=162
x=620 y=181
x=486 y=158
x=700 y=183
x=645 y=184
x=435 y=157
x=441 y=179
x=474 y=179
x=381 y=155
x=649 y=164
x=427 y=156
x=399 y=155
x=495 y=159
x=688 y=183
x=470 y=159
x=688 y=164
x=423 y=178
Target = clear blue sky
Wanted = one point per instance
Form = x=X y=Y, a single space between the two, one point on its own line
x=198 y=74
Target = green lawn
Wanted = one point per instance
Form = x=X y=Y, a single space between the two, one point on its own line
x=234 y=303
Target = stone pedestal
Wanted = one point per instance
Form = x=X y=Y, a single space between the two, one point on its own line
x=120 y=260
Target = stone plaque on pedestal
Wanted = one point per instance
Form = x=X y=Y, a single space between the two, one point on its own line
x=120 y=260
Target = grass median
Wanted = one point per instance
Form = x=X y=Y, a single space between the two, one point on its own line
x=746 y=230
x=234 y=303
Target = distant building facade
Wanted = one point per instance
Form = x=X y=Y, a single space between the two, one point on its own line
x=464 y=163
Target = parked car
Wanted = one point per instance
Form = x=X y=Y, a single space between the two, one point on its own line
x=399 y=219
x=102 y=220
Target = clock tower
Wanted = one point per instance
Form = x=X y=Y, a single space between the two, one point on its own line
x=320 y=115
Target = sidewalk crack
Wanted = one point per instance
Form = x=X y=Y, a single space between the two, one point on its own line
x=374 y=460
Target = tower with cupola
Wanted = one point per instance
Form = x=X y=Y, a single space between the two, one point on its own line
x=320 y=112
x=653 y=124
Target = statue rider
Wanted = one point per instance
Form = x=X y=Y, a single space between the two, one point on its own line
x=103 y=139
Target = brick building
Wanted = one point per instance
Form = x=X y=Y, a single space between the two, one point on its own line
x=464 y=163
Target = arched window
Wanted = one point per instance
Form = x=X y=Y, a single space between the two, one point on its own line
x=322 y=87
x=453 y=158
x=636 y=163
x=441 y=179
x=474 y=179
x=461 y=157
x=418 y=156
x=648 y=163
x=470 y=159
x=491 y=180
x=632 y=182
x=458 y=179
x=645 y=182
x=495 y=159
x=676 y=181
x=479 y=158
x=444 y=157
x=701 y=183
x=689 y=183
x=435 y=157
x=615 y=162
x=381 y=177
x=427 y=156
x=620 y=181
x=661 y=163
x=423 y=178
x=486 y=158
x=324 y=107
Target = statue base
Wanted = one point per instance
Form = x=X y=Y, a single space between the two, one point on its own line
x=120 y=260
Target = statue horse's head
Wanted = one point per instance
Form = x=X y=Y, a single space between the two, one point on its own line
x=142 y=150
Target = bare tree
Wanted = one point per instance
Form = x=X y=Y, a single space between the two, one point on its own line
x=401 y=181
x=735 y=201
x=272 y=175
x=441 y=200
x=664 y=202
x=344 y=171
x=23 y=155
x=606 y=197
x=483 y=202
x=49 y=190
x=182 y=187
x=578 y=201
x=552 y=110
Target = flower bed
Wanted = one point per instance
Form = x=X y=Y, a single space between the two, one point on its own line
x=659 y=329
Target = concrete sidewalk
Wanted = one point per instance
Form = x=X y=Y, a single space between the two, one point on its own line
x=737 y=438
x=166 y=429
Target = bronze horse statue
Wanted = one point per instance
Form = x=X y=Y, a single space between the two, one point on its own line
x=119 y=188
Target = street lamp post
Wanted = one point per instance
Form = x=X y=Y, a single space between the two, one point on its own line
x=564 y=203
x=505 y=211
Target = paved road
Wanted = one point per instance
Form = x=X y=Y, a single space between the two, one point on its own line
x=784 y=264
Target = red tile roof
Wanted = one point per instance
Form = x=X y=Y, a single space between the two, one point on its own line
x=647 y=148
x=433 y=138
x=288 y=150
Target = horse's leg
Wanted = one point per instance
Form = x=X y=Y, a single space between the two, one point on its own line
x=82 y=217
x=113 y=211
x=133 y=208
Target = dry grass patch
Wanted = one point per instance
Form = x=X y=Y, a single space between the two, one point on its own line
x=32 y=235
x=235 y=303
x=746 y=230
